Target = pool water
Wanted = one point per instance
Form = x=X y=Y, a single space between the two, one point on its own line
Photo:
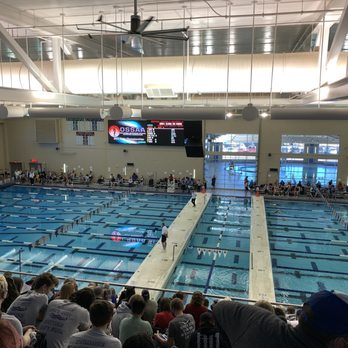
x=87 y=234
x=309 y=249
x=216 y=260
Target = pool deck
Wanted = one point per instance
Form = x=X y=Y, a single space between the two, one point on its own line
x=261 y=286
x=159 y=264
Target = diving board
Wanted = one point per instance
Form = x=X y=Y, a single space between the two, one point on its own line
x=158 y=266
x=261 y=285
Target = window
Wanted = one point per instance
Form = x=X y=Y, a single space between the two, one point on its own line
x=80 y=125
x=85 y=138
x=231 y=157
x=318 y=161
x=232 y=142
x=310 y=144
x=308 y=170
x=94 y=125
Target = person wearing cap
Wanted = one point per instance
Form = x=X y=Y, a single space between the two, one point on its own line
x=323 y=323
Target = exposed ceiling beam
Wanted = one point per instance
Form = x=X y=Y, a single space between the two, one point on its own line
x=25 y=59
x=339 y=38
x=44 y=27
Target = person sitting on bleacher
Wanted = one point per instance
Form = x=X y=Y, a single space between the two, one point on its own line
x=26 y=307
x=123 y=310
x=207 y=335
x=100 y=315
x=323 y=323
x=22 y=332
x=66 y=317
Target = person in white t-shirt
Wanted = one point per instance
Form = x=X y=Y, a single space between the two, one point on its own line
x=26 y=307
x=100 y=313
x=65 y=317
x=193 y=198
x=164 y=236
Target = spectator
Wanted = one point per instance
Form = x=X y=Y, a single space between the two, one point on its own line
x=18 y=282
x=265 y=305
x=207 y=335
x=279 y=312
x=26 y=307
x=135 y=325
x=9 y=337
x=12 y=320
x=12 y=294
x=323 y=323
x=180 y=328
x=179 y=294
x=150 y=307
x=123 y=310
x=139 y=341
x=100 y=315
x=98 y=292
x=66 y=317
x=66 y=291
x=163 y=318
x=196 y=308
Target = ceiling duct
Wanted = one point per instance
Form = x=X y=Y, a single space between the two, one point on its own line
x=330 y=114
x=184 y=114
x=12 y=111
x=79 y=113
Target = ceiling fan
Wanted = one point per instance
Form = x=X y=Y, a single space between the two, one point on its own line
x=137 y=31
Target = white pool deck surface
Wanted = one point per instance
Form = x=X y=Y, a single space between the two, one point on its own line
x=261 y=285
x=159 y=264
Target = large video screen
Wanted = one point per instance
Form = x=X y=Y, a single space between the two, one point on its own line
x=127 y=132
x=165 y=133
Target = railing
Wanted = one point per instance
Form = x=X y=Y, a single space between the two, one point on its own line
x=163 y=290
x=334 y=212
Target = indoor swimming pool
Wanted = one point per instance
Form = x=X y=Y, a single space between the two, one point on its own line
x=309 y=248
x=104 y=236
x=86 y=234
x=216 y=260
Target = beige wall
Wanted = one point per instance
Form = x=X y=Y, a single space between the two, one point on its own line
x=149 y=160
x=158 y=160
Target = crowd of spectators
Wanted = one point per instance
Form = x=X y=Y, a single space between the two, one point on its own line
x=298 y=189
x=34 y=316
x=70 y=178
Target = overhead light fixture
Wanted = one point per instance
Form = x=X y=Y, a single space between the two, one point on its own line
x=250 y=112
x=135 y=42
x=264 y=114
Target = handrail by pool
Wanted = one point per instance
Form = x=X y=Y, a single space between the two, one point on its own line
x=240 y=299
